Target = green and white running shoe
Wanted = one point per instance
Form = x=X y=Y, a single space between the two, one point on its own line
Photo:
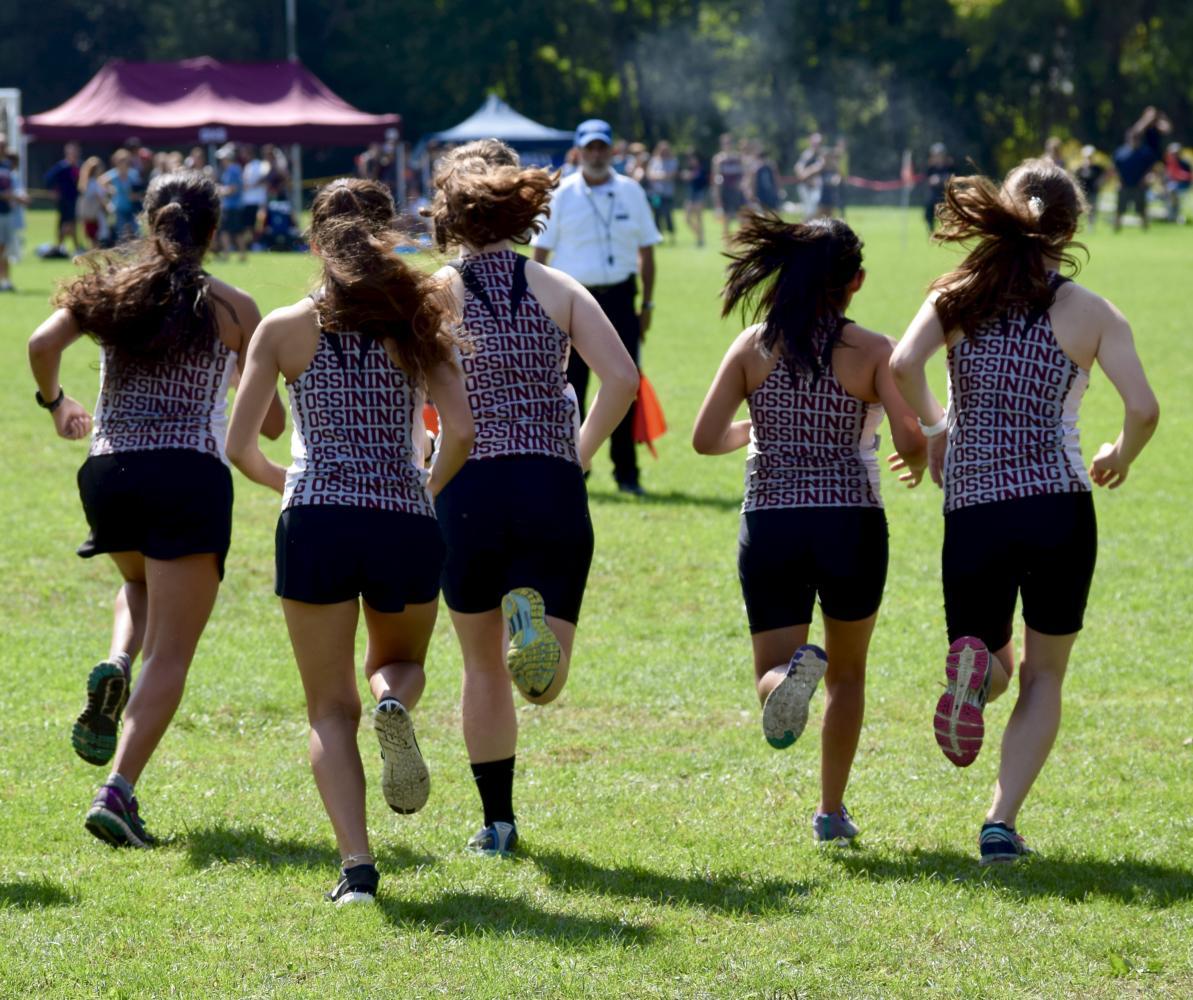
x=93 y=735
x=534 y=652
x=785 y=713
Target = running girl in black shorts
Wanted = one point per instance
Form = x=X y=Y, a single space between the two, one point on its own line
x=156 y=487
x=515 y=520
x=812 y=523
x=357 y=523
x=1019 y=514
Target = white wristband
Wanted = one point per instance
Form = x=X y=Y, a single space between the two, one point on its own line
x=936 y=429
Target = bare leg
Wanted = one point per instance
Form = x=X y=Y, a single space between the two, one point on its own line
x=181 y=594
x=846 y=644
x=397 y=650
x=131 y=607
x=1003 y=666
x=324 y=639
x=1034 y=722
x=773 y=650
x=487 y=700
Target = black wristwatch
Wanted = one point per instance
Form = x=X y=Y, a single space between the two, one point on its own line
x=51 y=406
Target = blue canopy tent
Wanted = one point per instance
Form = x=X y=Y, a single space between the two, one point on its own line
x=537 y=144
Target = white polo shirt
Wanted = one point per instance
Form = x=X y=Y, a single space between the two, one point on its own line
x=594 y=233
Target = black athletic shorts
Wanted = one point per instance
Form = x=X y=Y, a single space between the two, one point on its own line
x=331 y=554
x=516 y=521
x=1040 y=548
x=787 y=558
x=163 y=503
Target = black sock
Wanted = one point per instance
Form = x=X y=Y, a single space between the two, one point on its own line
x=495 y=782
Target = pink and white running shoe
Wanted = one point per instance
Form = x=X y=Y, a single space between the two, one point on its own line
x=958 y=722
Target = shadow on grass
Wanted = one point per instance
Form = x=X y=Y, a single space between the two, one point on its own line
x=670 y=498
x=227 y=845
x=467 y=914
x=720 y=893
x=35 y=894
x=1076 y=879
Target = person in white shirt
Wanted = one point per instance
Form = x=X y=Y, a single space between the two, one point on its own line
x=602 y=232
x=255 y=193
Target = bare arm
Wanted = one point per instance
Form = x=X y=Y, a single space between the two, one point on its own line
x=598 y=344
x=1120 y=362
x=248 y=318
x=55 y=335
x=646 y=271
x=715 y=431
x=911 y=447
x=456 y=429
x=258 y=388
x=924 y=337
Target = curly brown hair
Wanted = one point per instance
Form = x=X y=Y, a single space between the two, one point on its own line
x=1011 y=231
x=482 y=196
x=367 y=287
x=150 y=297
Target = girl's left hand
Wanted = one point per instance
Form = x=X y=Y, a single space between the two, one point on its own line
x=913 y=473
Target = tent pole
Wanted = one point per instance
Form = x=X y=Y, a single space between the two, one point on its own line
x=296 y=182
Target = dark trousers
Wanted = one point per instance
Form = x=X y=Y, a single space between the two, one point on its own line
x=617 y=301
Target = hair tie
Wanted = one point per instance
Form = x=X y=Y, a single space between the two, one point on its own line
x=1036 y=204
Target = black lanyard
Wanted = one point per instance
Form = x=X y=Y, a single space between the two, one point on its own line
x=606 y=221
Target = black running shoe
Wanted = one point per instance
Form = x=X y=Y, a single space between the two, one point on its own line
x=116 y=820
x=357 y=884
x=94 y=734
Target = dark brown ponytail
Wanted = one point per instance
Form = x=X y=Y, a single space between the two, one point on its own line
x=367 y=287
x=794 y=280
x=1010 y=231
x=153 y=296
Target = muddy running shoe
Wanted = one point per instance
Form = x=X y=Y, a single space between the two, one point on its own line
x=837 y=828
x=534 y=652
x=497 y=840
x=115 y=820
x=405 y=781
x=94 y=734
x=958 y=722
x=785 y=713
x=357 y=884
x=1000 y=844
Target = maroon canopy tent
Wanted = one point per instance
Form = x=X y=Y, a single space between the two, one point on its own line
x=204 y=100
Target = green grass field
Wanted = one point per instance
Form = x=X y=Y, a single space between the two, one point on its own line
x=667 y=847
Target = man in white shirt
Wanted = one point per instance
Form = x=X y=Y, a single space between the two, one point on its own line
x=602 y=232
x=255 y=193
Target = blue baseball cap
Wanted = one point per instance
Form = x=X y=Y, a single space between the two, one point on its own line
x=593 y=130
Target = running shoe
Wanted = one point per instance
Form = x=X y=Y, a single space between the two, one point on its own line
x=496 y=840
x=785 y=713
x=94 y=734
x=534 y=652
x=958 y=721
x=357 y=884
x=405 y=781
x=837 y=828
x=1000 y=844
x=115 y=819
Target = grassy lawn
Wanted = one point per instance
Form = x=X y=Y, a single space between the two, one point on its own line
x=667 y=848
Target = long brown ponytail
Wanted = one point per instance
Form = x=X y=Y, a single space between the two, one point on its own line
x=367 y=287
x=153 y=296
x=1011 y=231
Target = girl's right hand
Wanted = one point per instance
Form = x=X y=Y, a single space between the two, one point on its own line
x=1108 y=468
x=71 y=419
x=937 y=446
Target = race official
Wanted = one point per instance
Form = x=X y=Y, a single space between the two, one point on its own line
x=602 y=232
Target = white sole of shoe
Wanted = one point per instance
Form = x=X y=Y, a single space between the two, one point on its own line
x=405 y=780
x=785 y=713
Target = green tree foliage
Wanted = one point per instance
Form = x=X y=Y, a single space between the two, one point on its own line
x=991 y=78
